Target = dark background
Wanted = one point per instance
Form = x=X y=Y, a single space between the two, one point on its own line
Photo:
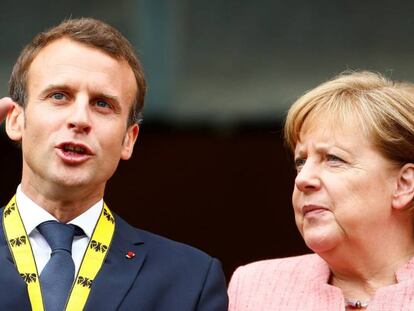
x=227 y=193
x=209 y=168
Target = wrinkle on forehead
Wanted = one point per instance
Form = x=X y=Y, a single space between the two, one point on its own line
x=69 y=63
x=334 y=125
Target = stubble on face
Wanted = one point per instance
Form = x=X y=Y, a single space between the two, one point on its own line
x=81 y=74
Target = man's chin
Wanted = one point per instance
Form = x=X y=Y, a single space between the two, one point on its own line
x=72 y=182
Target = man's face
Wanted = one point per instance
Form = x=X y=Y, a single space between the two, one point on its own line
x=74 y=127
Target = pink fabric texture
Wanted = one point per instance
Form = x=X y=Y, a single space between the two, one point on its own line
x=301 y=284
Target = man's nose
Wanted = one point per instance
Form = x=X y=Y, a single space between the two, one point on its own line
x=308 y=177
x=79 y=119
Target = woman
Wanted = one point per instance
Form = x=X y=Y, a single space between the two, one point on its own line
x=353 y=144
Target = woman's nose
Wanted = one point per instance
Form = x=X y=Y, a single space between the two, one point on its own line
x=308 y=177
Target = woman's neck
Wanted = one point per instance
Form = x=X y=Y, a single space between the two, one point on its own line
x=360 y=267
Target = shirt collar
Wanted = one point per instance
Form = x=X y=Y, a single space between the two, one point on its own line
x=33 y=215
x=321 y=272
x=406 y=272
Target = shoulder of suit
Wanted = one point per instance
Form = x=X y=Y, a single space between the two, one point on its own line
x=281 y=268
x=285 y=262
x=162 y=245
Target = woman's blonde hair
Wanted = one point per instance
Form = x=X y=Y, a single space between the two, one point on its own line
x=384 y=109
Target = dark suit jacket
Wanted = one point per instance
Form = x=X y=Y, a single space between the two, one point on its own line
x=163 y=276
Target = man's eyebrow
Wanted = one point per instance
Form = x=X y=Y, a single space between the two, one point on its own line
x=64 y=87
x=106 y=96
x=55 y=87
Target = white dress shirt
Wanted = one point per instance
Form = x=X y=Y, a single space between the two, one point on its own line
x=33 y=215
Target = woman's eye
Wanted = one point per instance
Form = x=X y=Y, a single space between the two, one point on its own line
x=333 y=158
x=299 y=163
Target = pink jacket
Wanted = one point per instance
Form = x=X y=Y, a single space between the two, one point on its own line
x=301 y=284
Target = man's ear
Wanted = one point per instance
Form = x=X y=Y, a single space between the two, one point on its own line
x=15 y=122
x=129 y=141
x=404 y=192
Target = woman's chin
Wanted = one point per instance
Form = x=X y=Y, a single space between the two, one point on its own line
x=321 y=240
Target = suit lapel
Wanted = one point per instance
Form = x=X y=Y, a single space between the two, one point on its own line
x=320 y=273
x=118 y=272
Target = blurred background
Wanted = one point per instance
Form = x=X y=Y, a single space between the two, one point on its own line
x=209 y=168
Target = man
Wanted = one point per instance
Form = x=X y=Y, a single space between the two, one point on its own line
x=76 y=92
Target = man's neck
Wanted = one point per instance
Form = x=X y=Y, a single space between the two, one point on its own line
x=63 y=204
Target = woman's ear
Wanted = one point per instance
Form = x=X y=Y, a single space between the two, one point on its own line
x=15 y=122
x=404 y=193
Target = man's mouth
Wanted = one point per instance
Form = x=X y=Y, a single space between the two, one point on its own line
x=74 y=153
x=75 y=148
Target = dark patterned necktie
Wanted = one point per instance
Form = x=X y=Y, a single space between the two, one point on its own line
x=57 y=276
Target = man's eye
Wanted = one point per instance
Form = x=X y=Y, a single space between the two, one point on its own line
x=102 y=104
x=58 y=96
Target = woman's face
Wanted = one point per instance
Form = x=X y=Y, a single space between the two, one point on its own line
x=343 y=188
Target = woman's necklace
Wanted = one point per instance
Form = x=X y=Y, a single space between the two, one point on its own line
x=355 y=304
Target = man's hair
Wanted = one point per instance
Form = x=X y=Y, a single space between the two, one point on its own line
x=384 y=109
x=88 y=31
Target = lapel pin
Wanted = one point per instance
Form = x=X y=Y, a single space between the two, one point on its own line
x=130 y=255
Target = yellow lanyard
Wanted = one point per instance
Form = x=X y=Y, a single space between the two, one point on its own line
x=92 y=261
